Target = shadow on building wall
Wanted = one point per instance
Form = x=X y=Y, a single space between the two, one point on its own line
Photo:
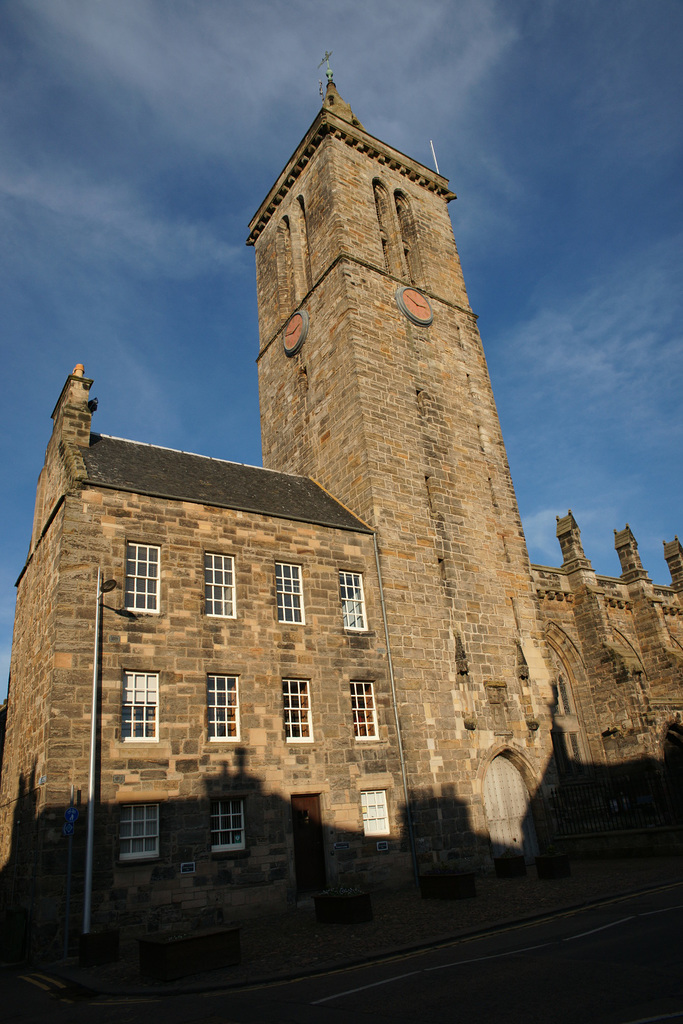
x=610 y=811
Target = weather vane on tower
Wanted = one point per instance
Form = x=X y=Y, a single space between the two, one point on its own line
x=328 y=54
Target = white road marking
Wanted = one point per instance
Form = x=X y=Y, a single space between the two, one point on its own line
x=352 y=991
x=511 y=952
x=493 y=956
x=649 y=913
x=612 y=924
x=652 y=1020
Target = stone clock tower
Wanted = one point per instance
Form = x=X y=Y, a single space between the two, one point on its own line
x=373 y=381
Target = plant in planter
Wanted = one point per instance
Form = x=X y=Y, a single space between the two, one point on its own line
x=343 y=905
x=173 y=955
x=444 y=883
x=510 y=864
x=553 y=864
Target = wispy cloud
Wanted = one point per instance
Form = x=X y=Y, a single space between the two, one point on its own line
x=619 y=342
x=92 y=221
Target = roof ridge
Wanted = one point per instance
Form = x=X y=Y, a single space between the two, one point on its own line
x=198 y=455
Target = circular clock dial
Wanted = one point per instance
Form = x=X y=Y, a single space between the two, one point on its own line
x=415 y=306
x=296 y=330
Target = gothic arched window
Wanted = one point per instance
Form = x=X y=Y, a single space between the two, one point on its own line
x=285 y=268
x=301 y=253
x=565 y=730
x=387 y=230
x=409 y=240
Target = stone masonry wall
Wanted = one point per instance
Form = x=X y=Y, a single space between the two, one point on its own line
x=184 y=770
x=399 y=421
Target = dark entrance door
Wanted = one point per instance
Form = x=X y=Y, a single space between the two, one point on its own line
x=309 y=858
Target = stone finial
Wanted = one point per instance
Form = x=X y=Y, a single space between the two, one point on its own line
x=627 y=549
x=569 y=536
x=673 y=553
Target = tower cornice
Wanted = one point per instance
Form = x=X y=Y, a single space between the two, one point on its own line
x=328 y=123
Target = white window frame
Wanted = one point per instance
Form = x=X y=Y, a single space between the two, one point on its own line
x=219 y=585
x=223 y=705
x=375 y=812
x=364 y=710
x=143 y=576
x=140 y=707
x=227 y=814
x=139 y=824
x=352 y=600
x=290 y=593
x=296 y=702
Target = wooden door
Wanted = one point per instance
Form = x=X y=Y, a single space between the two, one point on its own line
x=508 y=812
x=309 y=856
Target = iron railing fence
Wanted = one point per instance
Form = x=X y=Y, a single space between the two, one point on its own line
x=641 y=800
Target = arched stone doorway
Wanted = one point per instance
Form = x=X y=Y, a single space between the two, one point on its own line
x=508 y=810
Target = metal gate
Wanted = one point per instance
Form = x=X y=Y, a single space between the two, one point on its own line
x=508 y=812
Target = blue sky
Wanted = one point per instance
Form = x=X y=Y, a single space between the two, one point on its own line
x=138 y=137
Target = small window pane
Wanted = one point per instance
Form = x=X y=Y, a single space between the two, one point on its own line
x=139 y=831
x=139 y=706
x=227 y=824
x=142 y=576
x=297 y=710
x=290 y=607
x=353 y=604
x=219 y=585
x=375 y=815
x=363 y=708
x=223 y=707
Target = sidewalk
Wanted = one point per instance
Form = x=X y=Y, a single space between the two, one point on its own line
x=293 y=944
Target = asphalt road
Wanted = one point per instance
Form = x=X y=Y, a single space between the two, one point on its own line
x=620 y=963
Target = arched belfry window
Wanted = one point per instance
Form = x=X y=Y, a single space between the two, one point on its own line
x=409 y=241
x=285 y=268
x=387 y=230
x=300 y=252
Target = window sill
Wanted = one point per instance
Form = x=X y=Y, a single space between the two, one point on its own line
x=238 y=853
x=136 y=862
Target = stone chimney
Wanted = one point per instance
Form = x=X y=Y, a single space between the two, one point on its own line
x=63 y=462
x=71 y=415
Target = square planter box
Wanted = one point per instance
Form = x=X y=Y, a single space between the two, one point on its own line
x=343 y=909
x=510 y=867
x=458 y=886
x=556 y=866
x=170 y=956
x=97 y=948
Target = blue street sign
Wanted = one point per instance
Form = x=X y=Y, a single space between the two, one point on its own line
x=71 y=814
x=67 y=829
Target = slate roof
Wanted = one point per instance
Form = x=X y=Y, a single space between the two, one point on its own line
x=165 y=473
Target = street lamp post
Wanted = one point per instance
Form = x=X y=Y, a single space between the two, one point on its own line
x=102 y=588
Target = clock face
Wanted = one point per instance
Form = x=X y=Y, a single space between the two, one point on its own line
x=296 y=330
x=415 y=306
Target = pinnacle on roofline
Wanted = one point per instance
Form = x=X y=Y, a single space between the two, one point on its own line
x=334 y=103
